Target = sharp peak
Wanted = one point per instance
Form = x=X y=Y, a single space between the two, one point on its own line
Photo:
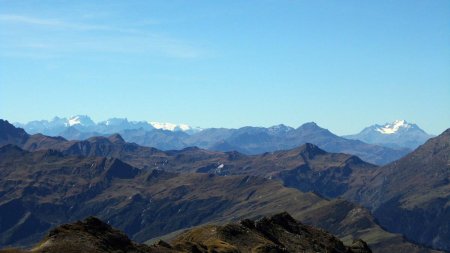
x=80 y=116
x=308 y=147
x=116 y=138
x=282 y=216
x=399 y=121
x=394 y=127
x=4 y=122
x=7 y=126
x=308 y=150
x=310 y=125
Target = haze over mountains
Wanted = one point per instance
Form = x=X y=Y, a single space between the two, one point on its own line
x=46 y=181
x=84 y=123
x=371 y=144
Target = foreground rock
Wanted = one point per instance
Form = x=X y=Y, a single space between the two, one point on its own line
x=278 y=233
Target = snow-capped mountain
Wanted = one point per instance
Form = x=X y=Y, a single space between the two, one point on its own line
x=394 y=127
x=52 y=127
x=83 y=126
x=247 y=140
x=174 y=127
x=121 y=124
x=280 y=129
x=80 y=120
x=397 y=134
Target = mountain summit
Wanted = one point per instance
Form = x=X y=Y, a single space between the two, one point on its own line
x=82 y=120
x=395 y=127
x=397 y=134
x=83 y=123
x=174 y=127
x=247 y=140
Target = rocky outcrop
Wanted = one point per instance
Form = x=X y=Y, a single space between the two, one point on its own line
x=279 y=233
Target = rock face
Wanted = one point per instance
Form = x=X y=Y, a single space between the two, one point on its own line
x=278 y=233
x=11 y=135
x=90 y=235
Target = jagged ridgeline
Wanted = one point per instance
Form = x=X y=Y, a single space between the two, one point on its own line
x=149 y=193
x=247 y=140
x=278 y=233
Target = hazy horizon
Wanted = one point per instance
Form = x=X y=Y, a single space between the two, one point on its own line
x=201 y=127
x=344 y=65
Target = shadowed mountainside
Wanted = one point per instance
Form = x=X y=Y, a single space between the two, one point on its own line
x=412 y=195
x=41 y=189
x=28 y=177
x=307 y=168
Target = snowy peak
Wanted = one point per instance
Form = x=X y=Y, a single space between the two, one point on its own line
x=174 y=127
x=398 y=134
x=115 y=122
x=81 y=120
x=59 y=126
x=164 y=126
x=279 y=129
x=394 y=127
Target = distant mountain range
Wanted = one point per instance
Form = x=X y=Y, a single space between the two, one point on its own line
x=398 y=134
x=85 y=124
x=46 y=181
x=247 y=140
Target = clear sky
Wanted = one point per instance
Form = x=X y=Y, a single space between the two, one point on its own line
x=343 y=64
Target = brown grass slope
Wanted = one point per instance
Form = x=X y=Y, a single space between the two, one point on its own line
x=39 y=190
x=278 y=233
x=95 y=186
x=307 y=168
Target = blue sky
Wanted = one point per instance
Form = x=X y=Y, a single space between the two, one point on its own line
x=342 y=64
